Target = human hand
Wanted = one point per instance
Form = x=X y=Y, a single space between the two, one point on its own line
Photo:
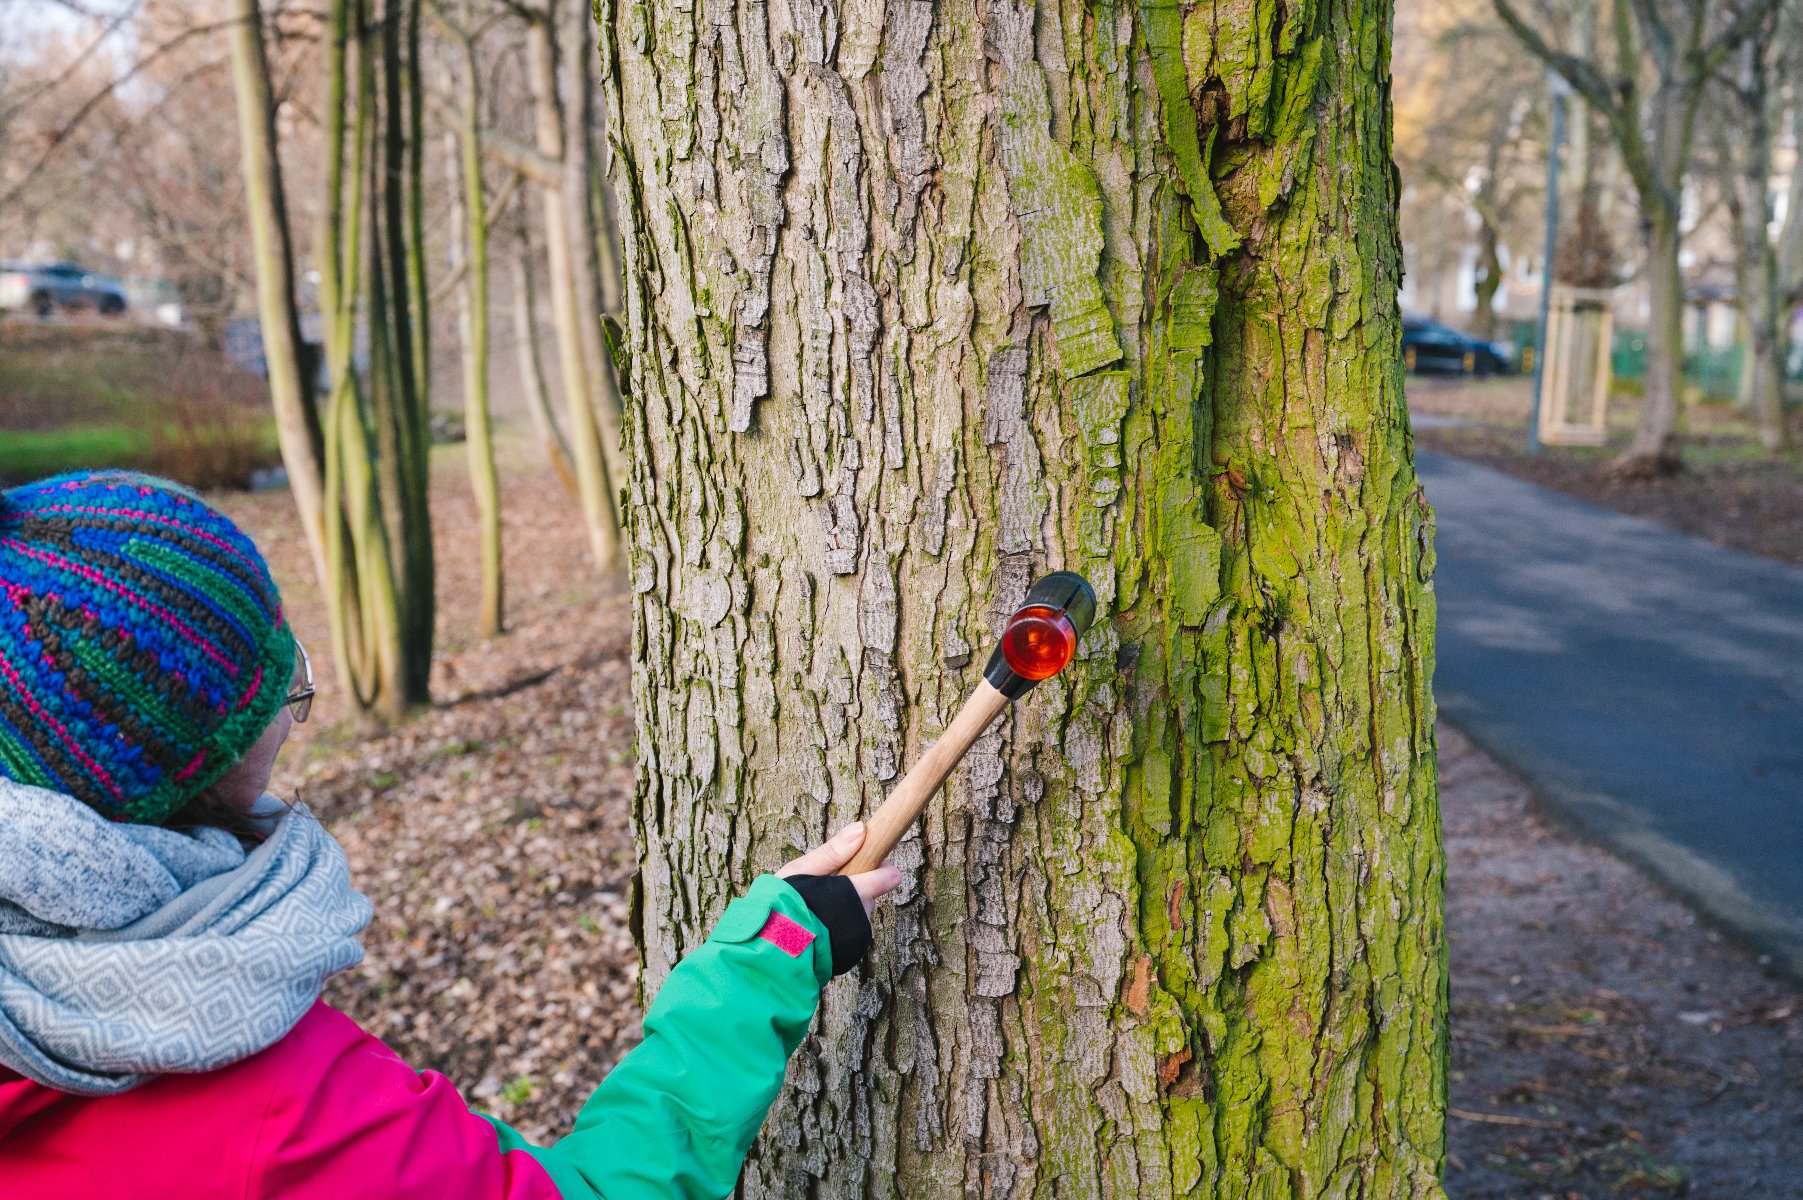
x=829 y=856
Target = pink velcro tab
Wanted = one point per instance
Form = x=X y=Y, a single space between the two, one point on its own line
x=786 y=935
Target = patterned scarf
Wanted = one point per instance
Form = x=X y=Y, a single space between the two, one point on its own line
x=128 y=951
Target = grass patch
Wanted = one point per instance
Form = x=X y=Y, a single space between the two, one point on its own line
x=76 y=397
x=33 y=454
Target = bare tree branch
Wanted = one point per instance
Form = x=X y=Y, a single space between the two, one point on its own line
x=68 y=127
x=1750 y=23
x=502 y=199
x=1582 y=76
x=1658 y=34
x=536 y=165
x=75 y=64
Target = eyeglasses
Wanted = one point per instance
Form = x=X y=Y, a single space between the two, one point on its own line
x=300 y=692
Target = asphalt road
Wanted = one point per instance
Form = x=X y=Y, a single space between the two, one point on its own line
x=1646 y=684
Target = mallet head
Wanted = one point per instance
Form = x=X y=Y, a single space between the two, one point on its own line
x=1041 y=636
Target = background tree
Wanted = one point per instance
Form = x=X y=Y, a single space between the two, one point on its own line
x=1665 y=53
x=523 y=306
x=1748 y=188
x=918 y=305
x=1471 y=141
x=378 y=533
x=557 y=163
x=291 y=383
x=469 y=259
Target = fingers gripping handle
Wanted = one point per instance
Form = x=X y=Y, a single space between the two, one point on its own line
x=893 y=817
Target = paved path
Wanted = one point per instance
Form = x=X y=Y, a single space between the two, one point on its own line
x=1649 y=686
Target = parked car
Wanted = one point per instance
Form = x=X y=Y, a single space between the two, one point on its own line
x=1429 y=347
x=43 y=288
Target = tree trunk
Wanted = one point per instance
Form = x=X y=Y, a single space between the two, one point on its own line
x=1489 y=281
x=377 y=574
x=1584 y=143
x=1787 y=283
x=1762 y=375
x=532 y=375
x=290 y=384
x=469 y=248
x=1653 y=451
x=598 y=504
x=397 y=345
x=578 y=200
x=921 y=302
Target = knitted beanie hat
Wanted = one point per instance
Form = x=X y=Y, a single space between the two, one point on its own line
x=142 y=644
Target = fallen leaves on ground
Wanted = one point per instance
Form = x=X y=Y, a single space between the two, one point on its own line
x=1603 y=1043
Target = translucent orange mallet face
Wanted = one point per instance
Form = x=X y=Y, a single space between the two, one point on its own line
x=1040 y=638
x=1039 y=642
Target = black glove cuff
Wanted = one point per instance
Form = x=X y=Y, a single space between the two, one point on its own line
x=834 y=900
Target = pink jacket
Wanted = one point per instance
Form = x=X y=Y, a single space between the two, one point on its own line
x=326 y=1111
x=330 y=1112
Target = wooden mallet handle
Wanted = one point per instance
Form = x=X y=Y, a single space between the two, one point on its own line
x=1037 y=642
x=895 y=814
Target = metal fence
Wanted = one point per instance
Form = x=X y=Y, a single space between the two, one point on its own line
x=1713 y=372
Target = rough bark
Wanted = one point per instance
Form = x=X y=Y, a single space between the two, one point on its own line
x=919 y=302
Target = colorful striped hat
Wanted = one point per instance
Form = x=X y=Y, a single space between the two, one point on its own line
x=142 y=644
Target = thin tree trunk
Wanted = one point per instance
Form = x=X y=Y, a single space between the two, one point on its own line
x=1761 y=370
x=532 y=375
x=339 y=283
x=585 y=267
x=372 y=572
x=1653 y=450
x=418 y=292
x=469 y=248
x=1787 y=283
x=290 y=388
x=1489 y=282
x=592 y=475
x=1489 y=256
x=403 y=417
x=1583 y=140
x=390 y=389
x=920 y=302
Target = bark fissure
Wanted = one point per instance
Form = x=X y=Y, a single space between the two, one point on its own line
x=1107 y=288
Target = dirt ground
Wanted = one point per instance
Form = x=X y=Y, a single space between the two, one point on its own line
x=1603 y=1043
x=1730 y=492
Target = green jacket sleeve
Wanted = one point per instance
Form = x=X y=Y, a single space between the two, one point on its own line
x=676 y=1117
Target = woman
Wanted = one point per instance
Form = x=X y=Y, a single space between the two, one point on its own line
x=166 y=926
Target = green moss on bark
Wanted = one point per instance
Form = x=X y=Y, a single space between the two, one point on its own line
x=1067 y=285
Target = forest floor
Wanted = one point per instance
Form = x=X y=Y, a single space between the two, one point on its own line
x=1604 y=1043
x=1730 y=492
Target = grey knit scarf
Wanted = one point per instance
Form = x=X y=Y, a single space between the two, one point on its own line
x=128 y=951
